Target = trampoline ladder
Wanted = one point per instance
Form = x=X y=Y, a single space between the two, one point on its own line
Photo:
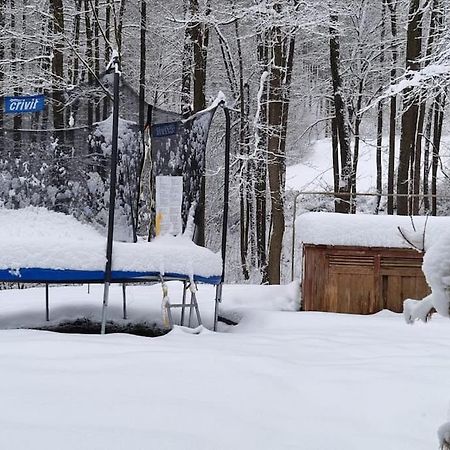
x=192 y=305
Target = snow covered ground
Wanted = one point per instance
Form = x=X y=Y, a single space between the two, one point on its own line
x=315 y=172
x=278 y=380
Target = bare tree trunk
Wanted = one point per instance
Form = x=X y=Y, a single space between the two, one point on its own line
x=57 y=12
x=426 y=160
x=380 y=113
x=392 y=4
x=118 y=25
x=2 y=75
x=98 y=115
x=356 y=146
x=142 y=66
x=47 y=30
x=275 y=158
x=432 y=34
x=186 y=66
x=107 y=52
x=245 y=169
x=411 y=110
x=418 y=160
x=340 y=114
x=89 y=57
x=261 y=161
x=335 y=153
x=74 y=68
x=17 y=119
x=378 y=156
x=439 y=107
x=200 y=39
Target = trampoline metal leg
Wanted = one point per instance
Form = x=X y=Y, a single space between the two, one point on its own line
x=169 y=316
x=105 y=305
x=190 y=311
x=197 y=311
x=124 y=301
x=47 y=307
x=183 y=302
x=218 y=299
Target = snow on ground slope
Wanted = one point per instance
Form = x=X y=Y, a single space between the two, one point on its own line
x=315 y=172
x=278 y=380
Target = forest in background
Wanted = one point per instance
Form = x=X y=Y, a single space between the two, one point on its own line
x=292 y=71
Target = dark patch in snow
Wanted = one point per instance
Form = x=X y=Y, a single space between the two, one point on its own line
x=87 y=326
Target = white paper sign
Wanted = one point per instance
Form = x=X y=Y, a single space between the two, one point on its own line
x=169 y=198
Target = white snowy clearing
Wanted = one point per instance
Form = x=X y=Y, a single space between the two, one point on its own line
x=278 y=380
x=315 y=172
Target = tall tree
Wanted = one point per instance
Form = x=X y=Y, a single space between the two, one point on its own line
x=2 y=71
x=57 y=14
x=410 y=106
x=282 y=46
x=142 y=65
x=261 y=155
x=200 y=40
x=392 y=6
x=340 y=108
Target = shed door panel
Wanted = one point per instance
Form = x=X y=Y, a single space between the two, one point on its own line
x=398 y=288
x=352 y=293
x=352 y=283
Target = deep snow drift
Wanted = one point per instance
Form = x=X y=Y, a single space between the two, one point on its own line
x=278 y=380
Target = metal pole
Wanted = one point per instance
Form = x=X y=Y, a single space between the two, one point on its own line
x=124 y=301
x=197 y=311
x=294 y=216
x=218 y=299
x=226 y=192
x=105 y=304
x=183 y=302
x=47 y=308
x=112 y=190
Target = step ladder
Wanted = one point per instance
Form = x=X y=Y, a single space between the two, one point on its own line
x=192 y=305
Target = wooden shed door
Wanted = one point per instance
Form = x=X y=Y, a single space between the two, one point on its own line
x=352 y=283
x=402 y=278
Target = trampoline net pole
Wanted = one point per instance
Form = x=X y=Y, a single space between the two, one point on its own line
x=47 y=307
x=112 y=191
x=105 y=305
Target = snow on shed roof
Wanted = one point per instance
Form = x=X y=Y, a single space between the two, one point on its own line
x=365 y=230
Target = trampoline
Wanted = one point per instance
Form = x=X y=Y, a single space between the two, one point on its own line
x=43 y=246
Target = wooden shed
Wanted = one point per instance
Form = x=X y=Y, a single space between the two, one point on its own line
x=361 y=264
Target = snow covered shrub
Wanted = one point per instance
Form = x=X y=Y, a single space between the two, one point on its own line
x=444 y=436
x=436 y=267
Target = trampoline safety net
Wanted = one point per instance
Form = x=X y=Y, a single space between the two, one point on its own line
x=69 y=170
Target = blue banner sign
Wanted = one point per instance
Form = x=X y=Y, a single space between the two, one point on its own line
x=24 y=104
x=164 y=129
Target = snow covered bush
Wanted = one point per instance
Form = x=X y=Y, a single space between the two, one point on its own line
x=436 y=267
x=444 y=436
